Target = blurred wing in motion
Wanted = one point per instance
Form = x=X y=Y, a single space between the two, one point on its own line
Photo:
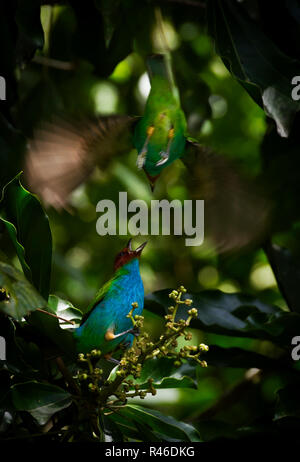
x=62 y=155
x=236 y=212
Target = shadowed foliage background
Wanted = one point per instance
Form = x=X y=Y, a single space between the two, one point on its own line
x=88 y=58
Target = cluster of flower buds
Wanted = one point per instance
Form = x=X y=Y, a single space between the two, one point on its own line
x=123 y=385
x=130 y=389
x=93 y=376
x=166 y=345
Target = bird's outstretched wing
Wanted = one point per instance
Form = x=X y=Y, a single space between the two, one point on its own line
x=236 y=211
x=62 y=154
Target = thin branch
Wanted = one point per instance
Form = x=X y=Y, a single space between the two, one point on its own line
x=50 y=62
x=67 y=375
x=55 y=316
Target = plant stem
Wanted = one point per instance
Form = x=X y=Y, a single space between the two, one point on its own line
x=55 y=316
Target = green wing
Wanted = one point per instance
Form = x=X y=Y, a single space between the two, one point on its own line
x=98 y=298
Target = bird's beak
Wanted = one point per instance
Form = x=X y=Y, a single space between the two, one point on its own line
x=129 y=247
x=152 y=180
x=139 y=250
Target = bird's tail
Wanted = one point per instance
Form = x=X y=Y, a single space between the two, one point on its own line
x=160 y=65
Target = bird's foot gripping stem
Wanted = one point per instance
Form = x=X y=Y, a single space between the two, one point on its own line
x=111 y=336
x=164 y=158
x=109 y=358
x=166 y=154
x=140 y=162
x=141 y=159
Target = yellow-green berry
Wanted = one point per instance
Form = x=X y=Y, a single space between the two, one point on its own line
x=95 y=353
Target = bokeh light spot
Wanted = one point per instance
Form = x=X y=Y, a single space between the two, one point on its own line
x=208 y=276
x=262 y=277
x=105 y=97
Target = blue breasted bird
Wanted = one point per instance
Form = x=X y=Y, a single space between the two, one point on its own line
x=106 y=326
x=62 y=155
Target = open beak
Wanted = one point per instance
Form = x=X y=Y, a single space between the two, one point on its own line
x=129 y=246
x=139 y=250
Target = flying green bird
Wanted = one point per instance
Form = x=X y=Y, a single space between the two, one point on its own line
x=62 y=155
x=106 y=325
x=160 y=135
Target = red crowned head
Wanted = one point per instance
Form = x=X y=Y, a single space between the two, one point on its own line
x=127 y=254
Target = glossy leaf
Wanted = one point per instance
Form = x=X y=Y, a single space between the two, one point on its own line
x=133 y=431
x=166 y=375
x=161 y=423
x=20 y=297
x=287 y=273
x=254 y=59
x=66 y=310
x=41 y=400
x=232 y=314
x=29 y=230
x=112 y=432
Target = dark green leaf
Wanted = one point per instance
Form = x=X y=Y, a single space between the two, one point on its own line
x=20 y=297
x=232 y=314
x=41 y=400
x=130 y=429
x=112 y=433
x=29 y=230
x=287 y=273
x=160 y=423
x=166 y=375
x=64 y=309
x=253 y=58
